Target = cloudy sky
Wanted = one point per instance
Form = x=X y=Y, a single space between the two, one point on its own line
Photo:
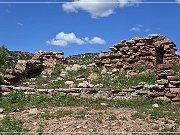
x=82 y=26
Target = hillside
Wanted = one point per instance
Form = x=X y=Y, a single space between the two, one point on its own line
x=14 y=56
x=83 y=59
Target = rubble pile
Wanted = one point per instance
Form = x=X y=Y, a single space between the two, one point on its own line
x=27 y=68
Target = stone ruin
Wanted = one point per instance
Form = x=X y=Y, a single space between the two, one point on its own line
x=155 y=51
x=28 y=68
x=49 y=60
x=149 y=51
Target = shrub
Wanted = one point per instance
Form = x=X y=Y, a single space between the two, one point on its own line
x=3 y=54
x=12 y=126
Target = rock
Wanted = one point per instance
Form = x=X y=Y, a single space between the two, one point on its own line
x=59 y=78
x=155 y=94
x=162 y=82
x=33 y=111
x=155 y=106
x=98 y=86
x=93 y=76
x=156 y=87
x=2 y=116
x=80 y=76
x=84 y=84
x=68 y=68
x=75 y=67
x=115 y=70
x=173 y=78
x=165 y=66
x=170 y=95
x=128 y=90
x=63 y=74
x=175 y=90
x=78 y=127
x=70 y=84
x=175 y=82
x=104 y=71
x=131 y=72
x=32 y=79
x=176 y=99
x=91 y=85
x=1 y=110
x=138 y=87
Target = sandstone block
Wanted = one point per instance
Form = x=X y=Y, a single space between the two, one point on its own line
x=173 y=78
x=162 y=82
x=175 y=90
x=165 y=66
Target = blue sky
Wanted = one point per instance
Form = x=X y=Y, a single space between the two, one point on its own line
x=76 y=28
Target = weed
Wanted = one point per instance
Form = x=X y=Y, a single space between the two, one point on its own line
x=12 y=125
x=58 y=114
x=167 y=131
x=139 y=68
x=123 y=82
x=138 y=115
x=81 y=114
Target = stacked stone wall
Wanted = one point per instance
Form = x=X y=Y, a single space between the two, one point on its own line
x=150 y=51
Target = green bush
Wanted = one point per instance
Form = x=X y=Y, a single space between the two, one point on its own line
x=12 y=126
x=3 y=54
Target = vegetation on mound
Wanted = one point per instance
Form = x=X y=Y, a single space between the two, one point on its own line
x=176 y=69
x=8 y=58
x=116 y=80
x=3 y=58
x=83 y=59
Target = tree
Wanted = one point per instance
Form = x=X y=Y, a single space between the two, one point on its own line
x=3 y=54
x=3 y=57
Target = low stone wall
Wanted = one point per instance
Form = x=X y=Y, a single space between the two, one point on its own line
x=104 y=93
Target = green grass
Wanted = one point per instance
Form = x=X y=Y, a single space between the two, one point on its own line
x=139 y=68
x=176 y=69
x=123 y=82
x=167 y=131
x=19 y=101
x=81 y=114
x=138 y=115
x=59 y=114
x=58 y=84
x=12 y=125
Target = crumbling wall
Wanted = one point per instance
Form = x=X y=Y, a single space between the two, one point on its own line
x=27 y=68
x=50 y=60
x=149 y=51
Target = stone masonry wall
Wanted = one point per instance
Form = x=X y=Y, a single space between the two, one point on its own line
x=27 y=68
x=150 y=51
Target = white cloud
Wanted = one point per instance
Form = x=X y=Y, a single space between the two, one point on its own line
x=64 y=39
x=147 y=30
x=96 y=8
x=135 y=29
x=178 y=1
x=95 y=40
x=138 y=28
x=20 y=24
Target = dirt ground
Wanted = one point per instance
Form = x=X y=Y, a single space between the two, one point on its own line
x=84 y=120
